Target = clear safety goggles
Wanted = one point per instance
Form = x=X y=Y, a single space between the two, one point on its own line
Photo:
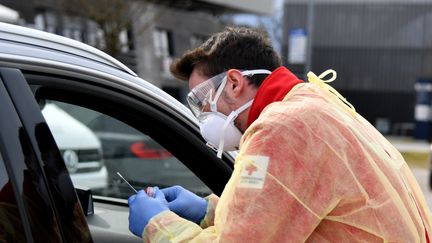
x=207 y=92
x=201 y=95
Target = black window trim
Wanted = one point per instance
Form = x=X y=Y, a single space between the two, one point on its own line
x=31 y=117
x=5 y=153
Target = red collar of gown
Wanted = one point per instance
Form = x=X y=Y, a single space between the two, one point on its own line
x=273 y=88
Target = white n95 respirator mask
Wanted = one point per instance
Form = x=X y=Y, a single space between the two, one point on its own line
x=219 y=130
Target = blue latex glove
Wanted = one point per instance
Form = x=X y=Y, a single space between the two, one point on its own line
x=142 y=208
x=185 y=204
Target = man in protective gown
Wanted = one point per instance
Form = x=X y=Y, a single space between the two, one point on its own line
x=309 y=168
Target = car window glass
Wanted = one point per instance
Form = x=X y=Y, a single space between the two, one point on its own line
x=96 y=146
x=11 y=229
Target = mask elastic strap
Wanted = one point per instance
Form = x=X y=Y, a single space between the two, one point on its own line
x=255 y=71
x=232 y=116
x=213 y=106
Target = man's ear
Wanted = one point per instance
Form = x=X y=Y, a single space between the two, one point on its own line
x=236 y=82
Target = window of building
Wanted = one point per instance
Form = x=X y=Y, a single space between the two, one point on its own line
x=125 y=39
x=46 y=21
x=39 y=21
x=163 y=43
x=72 y=27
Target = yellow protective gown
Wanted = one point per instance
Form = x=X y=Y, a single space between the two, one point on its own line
x=310 y=169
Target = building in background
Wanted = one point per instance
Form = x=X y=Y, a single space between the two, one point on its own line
x=151 y=35
x=379 y=49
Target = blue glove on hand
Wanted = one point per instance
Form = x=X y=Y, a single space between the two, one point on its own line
x=186 y=204
x=142 y=208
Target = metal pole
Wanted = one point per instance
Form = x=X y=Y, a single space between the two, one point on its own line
x=310 y=26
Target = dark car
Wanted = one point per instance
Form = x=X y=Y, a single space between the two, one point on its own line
x=146 y=135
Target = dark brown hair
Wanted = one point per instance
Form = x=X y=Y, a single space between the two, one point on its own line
x=235 y=47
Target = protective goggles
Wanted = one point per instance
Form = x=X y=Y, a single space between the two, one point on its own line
x=208 y=92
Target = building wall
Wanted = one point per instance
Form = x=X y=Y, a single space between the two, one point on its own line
x=379 y=50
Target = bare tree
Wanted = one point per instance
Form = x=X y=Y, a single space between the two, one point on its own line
x=113 y=17
x=118 y=15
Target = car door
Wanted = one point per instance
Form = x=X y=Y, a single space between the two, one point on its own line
x=139 y=138
x=37 y=200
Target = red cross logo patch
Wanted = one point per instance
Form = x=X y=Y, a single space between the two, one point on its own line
x=254 y=172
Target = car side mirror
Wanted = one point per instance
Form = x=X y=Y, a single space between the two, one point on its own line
x=86 y=199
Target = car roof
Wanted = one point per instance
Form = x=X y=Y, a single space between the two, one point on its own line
x=31 y=49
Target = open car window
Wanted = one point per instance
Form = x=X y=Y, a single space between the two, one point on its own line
x=96 y=146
